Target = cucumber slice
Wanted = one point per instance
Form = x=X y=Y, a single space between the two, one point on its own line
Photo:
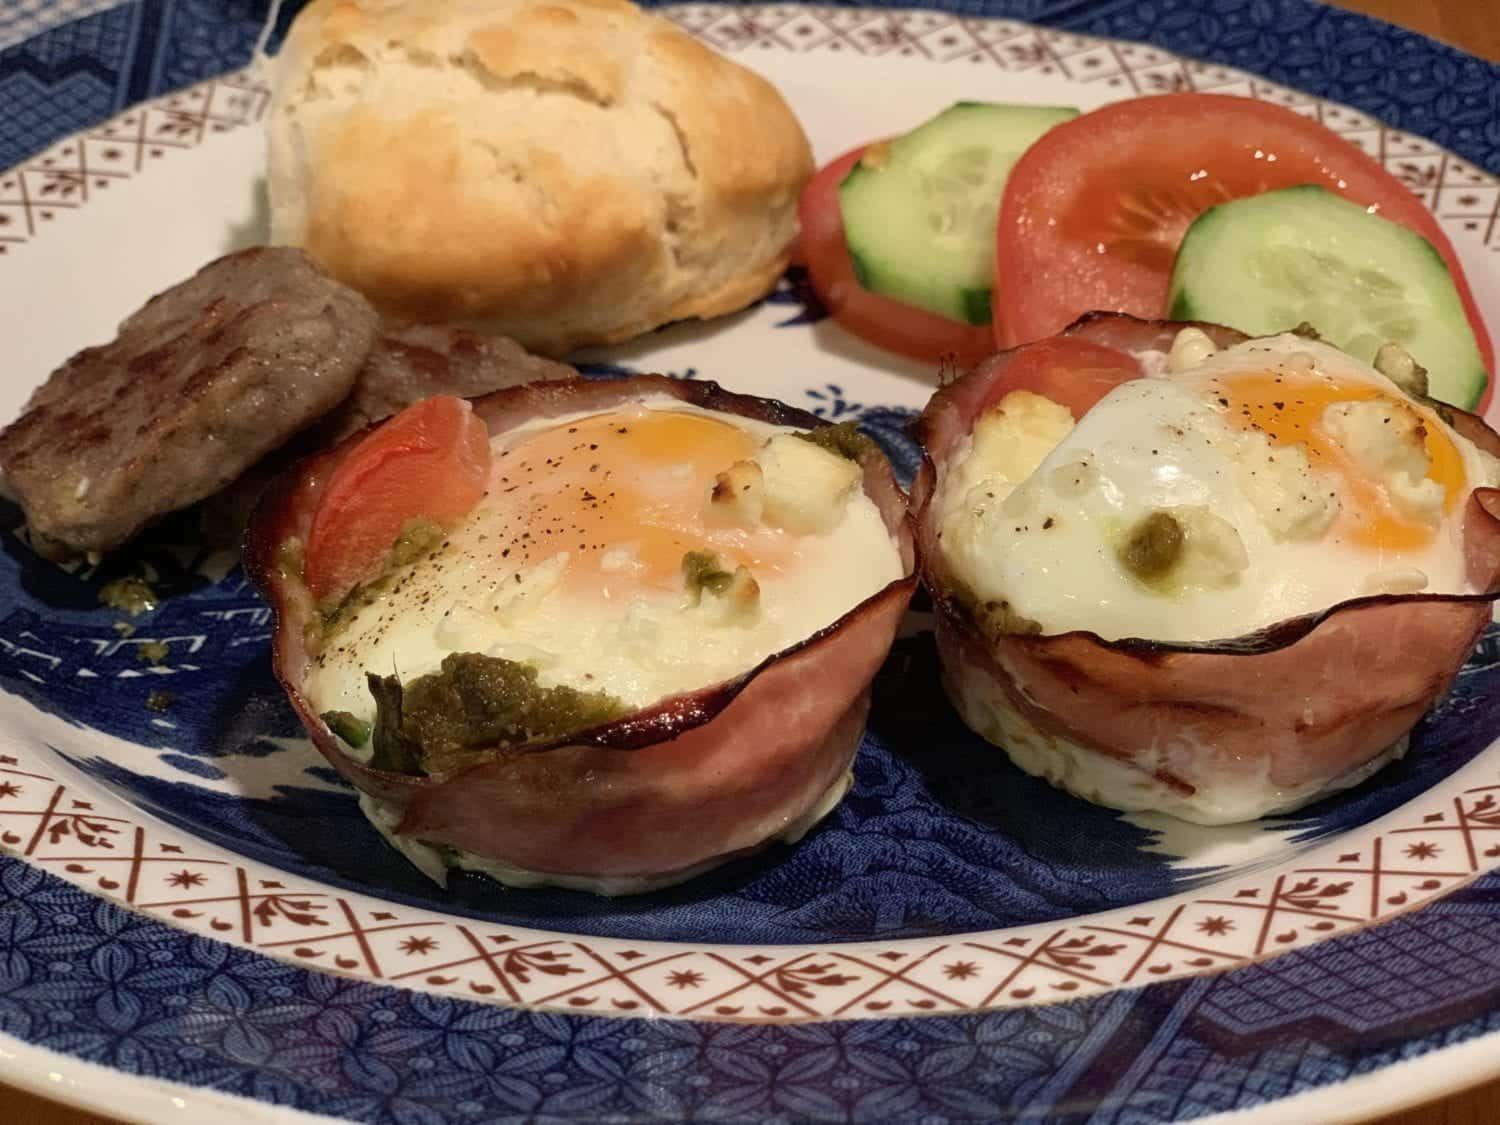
x=1266 y=263
x=919 y=212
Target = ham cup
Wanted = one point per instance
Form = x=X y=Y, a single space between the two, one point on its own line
x=1180 y=570
x=594 y=634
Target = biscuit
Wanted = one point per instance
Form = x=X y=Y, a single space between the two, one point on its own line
x=564 y=172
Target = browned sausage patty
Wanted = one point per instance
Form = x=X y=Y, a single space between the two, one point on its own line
x=199 y=384
x=415 y=361
x=408 y=363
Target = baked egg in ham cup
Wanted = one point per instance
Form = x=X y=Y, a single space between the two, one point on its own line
x=595 y=634
x=1176 y=569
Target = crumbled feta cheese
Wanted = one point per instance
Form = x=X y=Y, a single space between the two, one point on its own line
x=737 y=498
x=1293 y=500
x=1213 y=555
x=1012 y=438
x=1389 y=441
x=805 y=486
x=1190 y=348
x=1396 y=364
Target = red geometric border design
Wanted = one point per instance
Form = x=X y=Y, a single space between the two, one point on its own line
x=1466 y=196
x=102 y=844
x=69 y=174
x=72 y=173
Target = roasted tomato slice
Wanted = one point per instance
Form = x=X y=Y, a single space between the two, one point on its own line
x=430 y=462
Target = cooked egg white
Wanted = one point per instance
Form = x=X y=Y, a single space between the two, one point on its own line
x=1227 y=491
x=573 y=561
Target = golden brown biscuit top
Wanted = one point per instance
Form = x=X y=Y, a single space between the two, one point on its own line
x=525 y=159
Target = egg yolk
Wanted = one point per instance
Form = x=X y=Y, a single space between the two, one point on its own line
x=1290 y=408
x=624 y=494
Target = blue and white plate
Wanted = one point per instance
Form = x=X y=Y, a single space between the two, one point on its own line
x=193 y=913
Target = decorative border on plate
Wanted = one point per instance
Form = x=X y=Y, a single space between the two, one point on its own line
x=104 y=846
x=100 y=843
x=1456 y=190
x=70 y=173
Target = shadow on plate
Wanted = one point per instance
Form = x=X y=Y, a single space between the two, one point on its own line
x=172 y=557
x=255 y=230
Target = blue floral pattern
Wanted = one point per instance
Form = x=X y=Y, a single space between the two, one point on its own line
x=76 y=75
x=86 y=978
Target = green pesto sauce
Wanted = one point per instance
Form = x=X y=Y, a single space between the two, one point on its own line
x=844 y=440
x=337 y=612
x=130 y=595
x=152 y=652
x=474 y=703
x=291 y=558
x=352 y=729
x=701 y=570
x=1152 y=548
x=1000 y=619
x=995 y=618
x=416 y=539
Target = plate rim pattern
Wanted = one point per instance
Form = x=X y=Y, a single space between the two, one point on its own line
x=871 y=980
x=72 y=177
x=106 y=846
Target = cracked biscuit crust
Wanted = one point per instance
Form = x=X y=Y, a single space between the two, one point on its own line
x=566 y=172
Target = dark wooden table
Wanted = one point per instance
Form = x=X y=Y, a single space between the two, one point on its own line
x=1473 y=25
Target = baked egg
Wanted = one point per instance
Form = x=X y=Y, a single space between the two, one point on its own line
x=622 y=632
x=1182 y=571
x=639 y=553
x=1223 y=492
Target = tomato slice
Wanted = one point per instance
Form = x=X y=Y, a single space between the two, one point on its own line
x=1073 y=373
x=431 y=461
x=882 y=321
x=1094 y=211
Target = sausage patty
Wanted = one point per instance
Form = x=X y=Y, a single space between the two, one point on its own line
x=414 y=361
x=199 y=384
